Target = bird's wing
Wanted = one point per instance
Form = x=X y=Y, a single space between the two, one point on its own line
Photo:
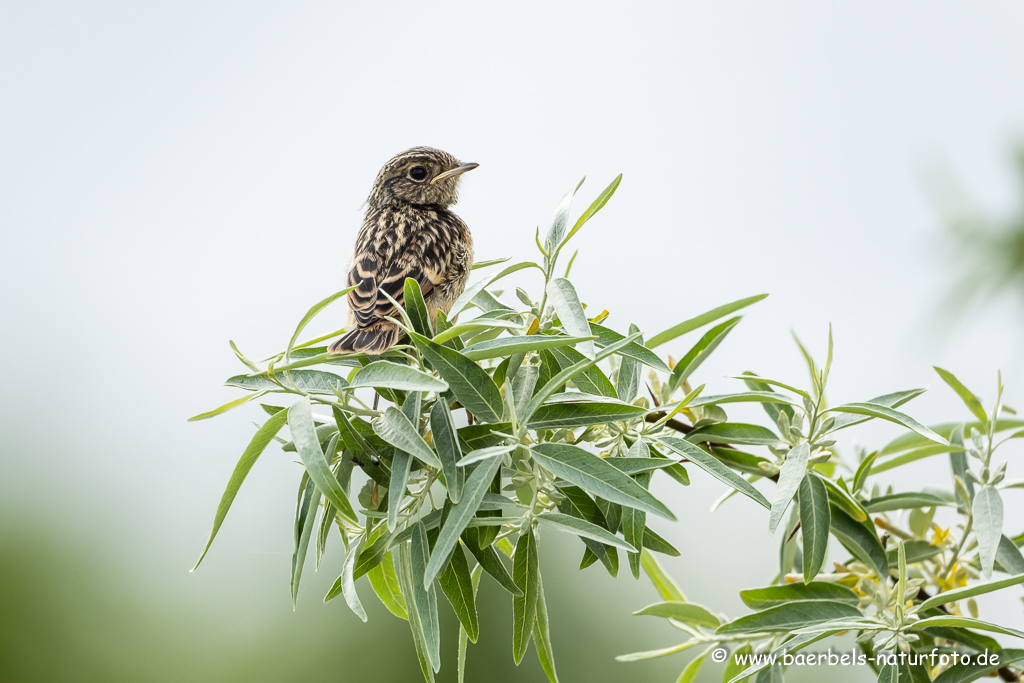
x=363 y=299
x=366 y=302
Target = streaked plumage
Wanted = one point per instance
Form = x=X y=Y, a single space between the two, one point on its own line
x=408 y=232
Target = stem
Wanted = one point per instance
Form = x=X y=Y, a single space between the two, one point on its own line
x=963 y=541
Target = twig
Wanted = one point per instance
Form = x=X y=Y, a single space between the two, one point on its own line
x=673 y=423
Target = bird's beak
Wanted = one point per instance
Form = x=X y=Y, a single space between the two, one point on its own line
x=451 y=173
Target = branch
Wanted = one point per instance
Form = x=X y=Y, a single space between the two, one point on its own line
x=673 y=423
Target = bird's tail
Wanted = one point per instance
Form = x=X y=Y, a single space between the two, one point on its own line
x=372 y=340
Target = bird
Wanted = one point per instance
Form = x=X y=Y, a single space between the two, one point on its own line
x=408 y=232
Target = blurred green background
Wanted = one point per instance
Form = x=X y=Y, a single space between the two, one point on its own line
x=177 y=175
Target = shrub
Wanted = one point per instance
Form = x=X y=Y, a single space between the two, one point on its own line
x=476 y=436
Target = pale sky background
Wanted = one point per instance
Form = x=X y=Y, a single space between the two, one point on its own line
x=177 y=175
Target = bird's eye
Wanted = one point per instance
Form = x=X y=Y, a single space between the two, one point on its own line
x=418 y=173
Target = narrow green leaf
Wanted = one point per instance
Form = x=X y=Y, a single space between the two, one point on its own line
x=916 y=550
x=580 y=505
x=566 y=303
x=634 y=466
x=969 y=592
x=446 y=441
x=634 y=522
x=309 y=381
x=590 y=472
x=734 y=433
x=970 y=400
x=793 y=471
x=975 y=641
x=663 y=583
x=463 y=635
x=252 y=452
x=742 y=397
x=879 y=411
x=384 y=580
x=472 y=493
x=773 y=596
x=734 y=665
x=579 y=527
x=963 y=673
x=913 y=456
x=324 y=432
x=491 y=262
x=416 y=308
x=988 y=525
x=1009 y=557
x=523 y=385
x=861 y=540
x=634 y=351
x=840 y=498
x=305 y=518
x=472 y=292
x=958 y=463
x=485 y=454
x=690 y=671
x=300 y=423
x=362 y=443
x=542 y=635
x=596 y=206
x=893 y=400
x=310 y=314
x=686 y=612
x=525 y=573
x=908 y=441
x=491 y=563
x=408 y=583
x=905 y=501
x=591 y=380
x=627 y=380
x=348 y=584
x=657 y=544
x=394 y=427
x=752 y=380
x=556 y=230
x=965 y=622
x=815 y=521
x=888 y=673
x=791 y=616
x=740 y=460
x=482 y=436
x=401 y=466
x=701 y=351
x=701 y=320
x=470 y=383
x=714 y=467
x=557 y=381
x=474 y=325
x=507 y=346
x=653 y=654
x=583 y=413
x=385 y=375
x=863 y=470
x=227 y=406
x=425 y=597
x=326 y=524
x=457 y=586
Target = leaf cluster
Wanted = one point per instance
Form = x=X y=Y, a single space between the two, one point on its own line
x=441 y=463
x=907 y=581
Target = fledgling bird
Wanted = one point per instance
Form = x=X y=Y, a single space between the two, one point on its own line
x=408 y=232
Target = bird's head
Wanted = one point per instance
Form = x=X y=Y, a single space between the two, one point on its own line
x=421 y=175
